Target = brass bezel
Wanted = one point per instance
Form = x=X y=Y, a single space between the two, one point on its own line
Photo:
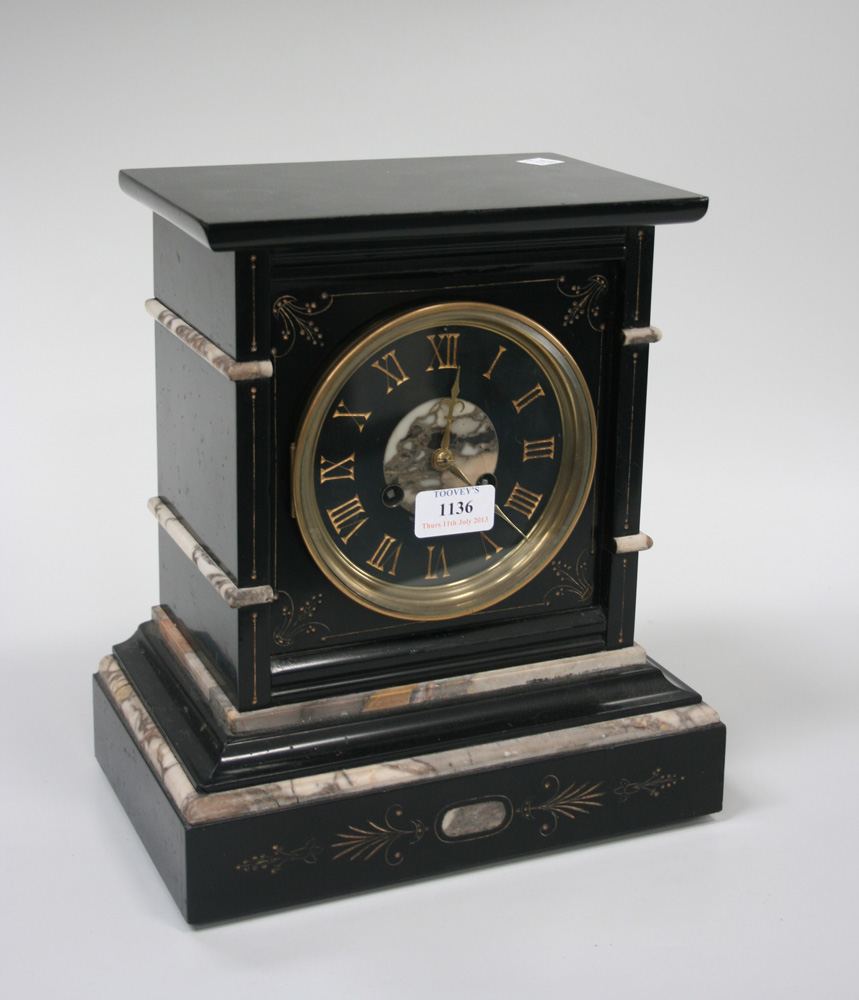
x=546 y=536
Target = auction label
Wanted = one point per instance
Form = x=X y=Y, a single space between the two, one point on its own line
x=455 y=511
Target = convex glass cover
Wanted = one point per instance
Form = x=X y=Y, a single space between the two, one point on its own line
x=473 y=415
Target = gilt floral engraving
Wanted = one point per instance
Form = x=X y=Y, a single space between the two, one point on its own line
x=362 y=844
x=295 y=622
x=298 y=319
x=574 y=800
x=654 y=786
x=389 y=838
x=281 y=858
x=585 y=300
x=571 y=579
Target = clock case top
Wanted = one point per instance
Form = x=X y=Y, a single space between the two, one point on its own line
x=320 y=204
x=289 y=262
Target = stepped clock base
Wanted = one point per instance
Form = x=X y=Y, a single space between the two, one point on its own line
x=254 y=845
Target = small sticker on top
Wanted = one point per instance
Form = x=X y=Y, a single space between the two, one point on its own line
x=540 y=161
x=454 y=511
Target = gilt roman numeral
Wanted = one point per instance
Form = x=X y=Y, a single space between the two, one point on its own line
x=525 y=501
x=386 y=553
x=538 y=449
x=488 y=372
x=359 y=418
x=350 y=514
x=344 y=469
x=391 y=369
x=444 y=350
x=433 y=565
x=529 y=397
x=487 y=544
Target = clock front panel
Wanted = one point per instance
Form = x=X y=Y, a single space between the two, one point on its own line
x=437 y=458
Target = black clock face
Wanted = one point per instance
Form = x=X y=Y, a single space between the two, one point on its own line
x=443 y=460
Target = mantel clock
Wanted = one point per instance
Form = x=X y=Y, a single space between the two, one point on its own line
x=400 y=440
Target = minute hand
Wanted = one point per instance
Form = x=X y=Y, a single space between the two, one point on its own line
x=460 y=475
x=452 y=400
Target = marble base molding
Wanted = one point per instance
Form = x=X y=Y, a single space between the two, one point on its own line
x=363 y=704
x=270 y=844
x=198 y=807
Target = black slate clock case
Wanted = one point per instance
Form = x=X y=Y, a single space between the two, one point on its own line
x=260 y=671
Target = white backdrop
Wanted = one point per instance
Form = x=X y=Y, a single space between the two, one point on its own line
x=750 y=593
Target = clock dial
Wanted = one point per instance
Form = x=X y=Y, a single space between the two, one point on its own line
x=443 y=460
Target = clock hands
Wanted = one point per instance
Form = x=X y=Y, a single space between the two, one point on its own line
x=442 y=458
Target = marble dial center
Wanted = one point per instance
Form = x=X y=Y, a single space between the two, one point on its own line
x=415 y=459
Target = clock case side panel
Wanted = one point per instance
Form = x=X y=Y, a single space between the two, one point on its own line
x=625 y=443
x=213 y=453
x=229 y=641
x=214 y=291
